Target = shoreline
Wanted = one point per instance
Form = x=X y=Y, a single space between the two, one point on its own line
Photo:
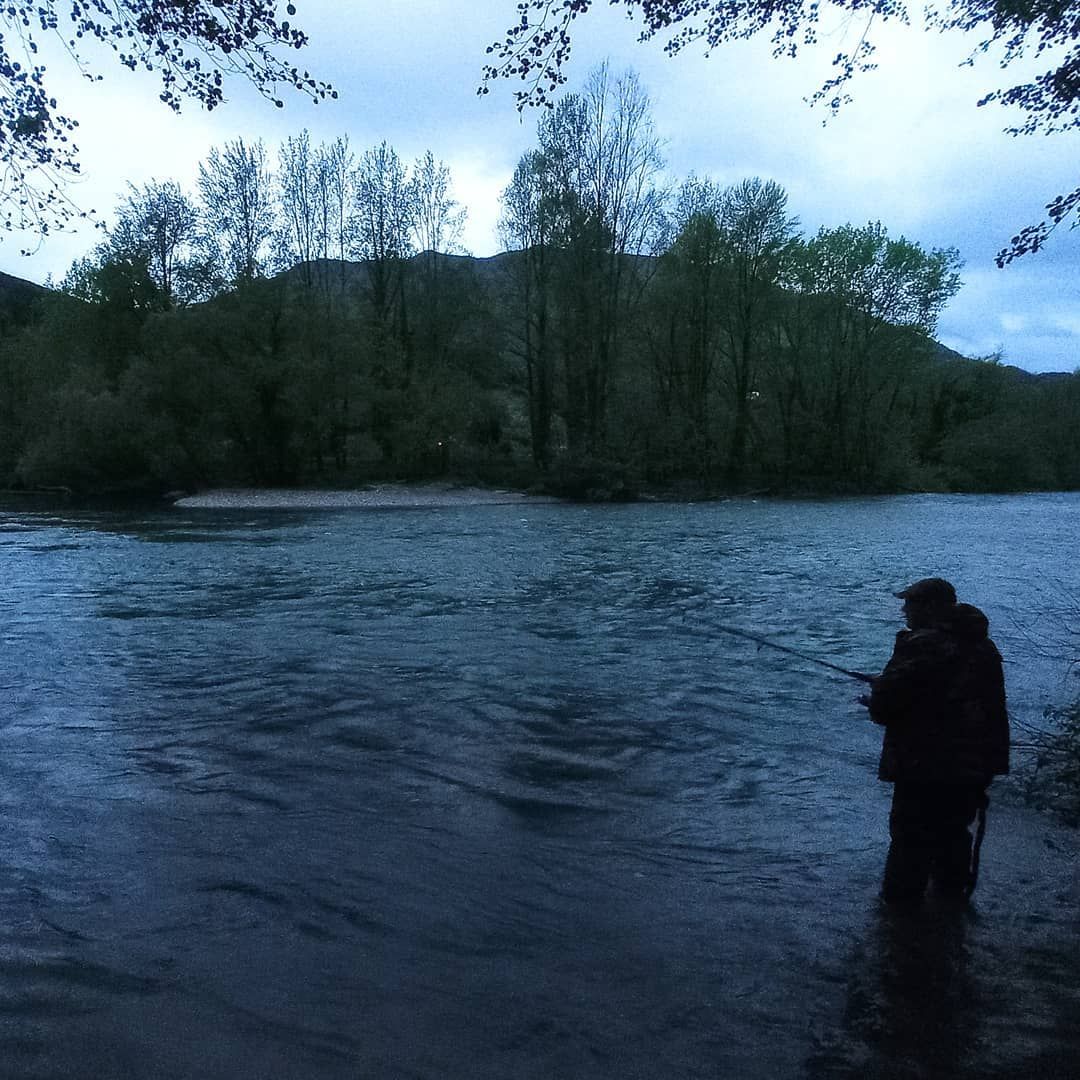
x=378 y=497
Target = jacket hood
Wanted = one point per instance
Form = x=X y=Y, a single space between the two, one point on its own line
x=966 y=621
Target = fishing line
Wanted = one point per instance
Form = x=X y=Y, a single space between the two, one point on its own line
x=862 y=676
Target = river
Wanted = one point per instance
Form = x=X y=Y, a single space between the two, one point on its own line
x=483 y=792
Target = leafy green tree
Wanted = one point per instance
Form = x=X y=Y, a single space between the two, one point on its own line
x=756 y=234
x=873 y=303
x=992 y=427
x=682 y=326
x=94 y=413
x=121 y=282
x=102 y=330
x=248 y=339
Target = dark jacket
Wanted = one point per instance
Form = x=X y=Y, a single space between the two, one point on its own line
x=941 y=699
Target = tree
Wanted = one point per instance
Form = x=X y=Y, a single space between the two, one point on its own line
x=440 y=289
x=160 y=225
x=385 y=206
x=335 y=168
x=300 y=239
x=238 y=205
x=438 y=220
x=526 y=226
x=604 y=160
x=116 y=282
x=871 y=304
x=383 y=214
x=384 y=209
x=537 y=46
x=579 y=208
x=756 y=232
x=192 y=44
x=683 y=324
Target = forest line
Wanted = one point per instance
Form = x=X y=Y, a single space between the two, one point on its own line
x=312 y=324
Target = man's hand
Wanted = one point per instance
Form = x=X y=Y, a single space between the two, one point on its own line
x=864 y=699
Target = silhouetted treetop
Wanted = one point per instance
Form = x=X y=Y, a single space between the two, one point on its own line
x=538 y=45
x=191 y=44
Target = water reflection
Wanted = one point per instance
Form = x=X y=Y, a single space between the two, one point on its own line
x=912 y=1006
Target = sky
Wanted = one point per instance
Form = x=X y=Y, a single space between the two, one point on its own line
x=912 y=151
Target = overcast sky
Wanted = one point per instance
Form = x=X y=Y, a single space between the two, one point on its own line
x=912 y=151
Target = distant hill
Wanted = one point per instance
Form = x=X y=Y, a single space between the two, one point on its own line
x=19 y=298
x=18 y=301
x=1045 y=378
x=491 y=271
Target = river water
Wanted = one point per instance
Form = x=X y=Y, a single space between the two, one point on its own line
x=483 y=792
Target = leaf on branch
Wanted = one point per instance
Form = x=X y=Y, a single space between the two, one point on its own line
x=239 y=36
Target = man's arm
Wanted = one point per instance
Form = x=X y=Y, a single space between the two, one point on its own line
x=908 y=677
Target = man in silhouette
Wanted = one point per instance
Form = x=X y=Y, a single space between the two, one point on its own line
x=941 y=700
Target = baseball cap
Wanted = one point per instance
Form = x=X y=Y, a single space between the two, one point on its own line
x=931 y=590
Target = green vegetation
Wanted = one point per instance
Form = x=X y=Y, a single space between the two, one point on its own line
x=310 y=324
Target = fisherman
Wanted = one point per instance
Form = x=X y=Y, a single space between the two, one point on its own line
x=941 y=700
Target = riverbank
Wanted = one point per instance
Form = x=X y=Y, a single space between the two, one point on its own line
x=381 y=496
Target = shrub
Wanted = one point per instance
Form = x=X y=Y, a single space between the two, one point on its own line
x=1054 y=779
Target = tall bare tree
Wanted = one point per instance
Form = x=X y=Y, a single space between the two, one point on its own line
x=300 y=237
x=384 y=215
x=161 y=224
x=237 y=193
x=438 y=218
x=527 y=227
x=336 y=183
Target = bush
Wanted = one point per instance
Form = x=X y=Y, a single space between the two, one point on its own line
x=99 y=441
x=1054 y=780
x=590 y=479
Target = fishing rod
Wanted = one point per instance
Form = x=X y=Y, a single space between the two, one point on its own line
x=1041 y=743
x=860 y=675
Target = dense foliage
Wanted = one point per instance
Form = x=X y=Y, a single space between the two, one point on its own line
x=191 y=44
x=538 y=45
x=310 y=323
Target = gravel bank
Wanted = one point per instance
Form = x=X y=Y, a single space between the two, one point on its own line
x=379 y=497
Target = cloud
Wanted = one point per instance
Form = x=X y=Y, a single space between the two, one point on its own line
x=912 y=150
x=1013 y=324
x=1029 y=311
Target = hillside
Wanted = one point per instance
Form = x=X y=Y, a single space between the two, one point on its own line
x=19 y=301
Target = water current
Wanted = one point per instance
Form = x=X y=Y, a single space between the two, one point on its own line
x=484 y=792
